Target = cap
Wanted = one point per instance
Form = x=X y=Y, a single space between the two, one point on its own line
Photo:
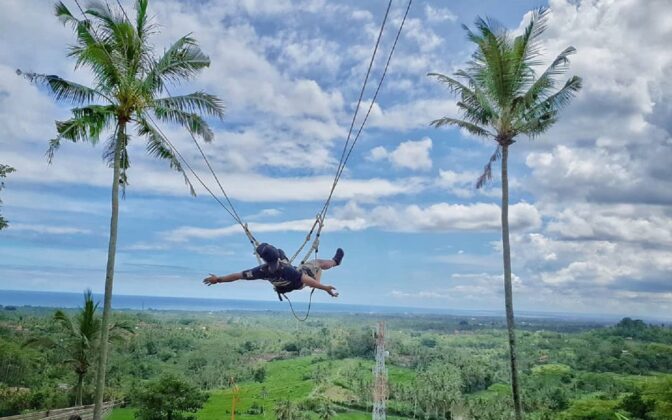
x=270 y=255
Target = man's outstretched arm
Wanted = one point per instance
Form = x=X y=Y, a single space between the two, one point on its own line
x=209 y=281
x=311 y=282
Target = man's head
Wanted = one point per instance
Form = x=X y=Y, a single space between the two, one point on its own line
x=270 y=255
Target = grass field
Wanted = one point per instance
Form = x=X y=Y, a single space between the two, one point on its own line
x=292 y=380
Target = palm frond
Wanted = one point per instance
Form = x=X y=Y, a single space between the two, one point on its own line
x=541 y=116
x=180 y=62
x=96 y=52
x=490 y=64
x=454 y=86
x=103 y=12
x=200 y=101
x=86 y=125
x=64 y=15
x=470 y=127
x=64 y=90
x=526 y=50
x=487 y=169
x=141 y=20
x=546 y=82
x=66 y=322
x=158 y=146
x=42 y=341
x=193 y=122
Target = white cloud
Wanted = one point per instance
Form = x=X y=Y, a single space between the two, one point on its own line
x=47 y=229
x=409 y=154
x=413 y=114
x=465 y=287
x=438 y=15
x=440 y=217
x=187 y=233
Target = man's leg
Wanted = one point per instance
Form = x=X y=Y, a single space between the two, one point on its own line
x=327 y=264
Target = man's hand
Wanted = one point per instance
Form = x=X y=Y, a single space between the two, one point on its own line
x=331 y=290
x=209 y=281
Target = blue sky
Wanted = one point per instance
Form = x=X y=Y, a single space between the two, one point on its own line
x=591 y=227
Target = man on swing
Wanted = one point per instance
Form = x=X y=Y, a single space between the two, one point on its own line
x=283 y=276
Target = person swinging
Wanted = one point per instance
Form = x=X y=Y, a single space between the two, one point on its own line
x=281 y=274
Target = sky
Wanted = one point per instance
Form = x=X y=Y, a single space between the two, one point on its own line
x=591 y=230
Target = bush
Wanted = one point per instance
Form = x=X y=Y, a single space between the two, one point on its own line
x=169 y=397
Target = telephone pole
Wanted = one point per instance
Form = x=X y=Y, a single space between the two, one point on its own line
x=380 y=375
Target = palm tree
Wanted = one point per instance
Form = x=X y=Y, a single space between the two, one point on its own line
x=4 y=170
x=286 y=410
x=128 y=82
x=82 y=341
x=502 y=96
x=325 y=410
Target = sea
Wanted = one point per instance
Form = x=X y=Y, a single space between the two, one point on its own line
x=19 y=298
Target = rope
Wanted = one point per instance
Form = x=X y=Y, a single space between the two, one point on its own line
x=341 y=167
x=308 y=237
x=310 y=302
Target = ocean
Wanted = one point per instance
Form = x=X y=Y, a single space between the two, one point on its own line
x=20 y=298
x=74 y=300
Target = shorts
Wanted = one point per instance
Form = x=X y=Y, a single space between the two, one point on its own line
x=311 y=268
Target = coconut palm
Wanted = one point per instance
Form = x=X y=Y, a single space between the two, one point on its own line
x=500 y=97
x=82 y=341
x=4 y=170
x=325 y=410
x=286 y=410
x=129 y=80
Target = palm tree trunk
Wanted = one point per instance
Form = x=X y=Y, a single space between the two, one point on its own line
x=80 y=386
x=508 y=292
x=109 y=275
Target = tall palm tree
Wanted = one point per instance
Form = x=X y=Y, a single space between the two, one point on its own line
x=4 y=170
x=500 y=97
x=82 y=342
x=129 y=80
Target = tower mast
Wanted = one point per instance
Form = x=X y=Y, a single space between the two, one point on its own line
x=380 y=375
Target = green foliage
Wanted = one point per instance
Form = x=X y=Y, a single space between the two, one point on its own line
x=4 y=170
x=500 y=93
x=287 y=410
x=467 y=368
x=636 y=406
x=591 y=409
x=79 y=343
x=169 y=397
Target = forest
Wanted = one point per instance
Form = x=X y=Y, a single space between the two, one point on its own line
x=439 y=367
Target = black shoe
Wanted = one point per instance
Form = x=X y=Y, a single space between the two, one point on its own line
x=339 y=256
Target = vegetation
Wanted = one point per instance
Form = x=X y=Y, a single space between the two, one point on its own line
x=4 y=171
x=81 y=340
x=168 y=397
x=501 y=97
x=439 y=366
x=128 y=82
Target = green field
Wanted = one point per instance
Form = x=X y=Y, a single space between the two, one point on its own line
x=288 y=380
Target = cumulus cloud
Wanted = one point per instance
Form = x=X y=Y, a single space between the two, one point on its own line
x=414 y=114
x=441 y=217
x=438 y=14
x=410 y=154
x=464 y=289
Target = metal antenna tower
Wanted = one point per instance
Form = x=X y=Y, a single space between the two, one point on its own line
x=380 y=375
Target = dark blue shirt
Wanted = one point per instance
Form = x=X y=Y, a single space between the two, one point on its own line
x=285 y=276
